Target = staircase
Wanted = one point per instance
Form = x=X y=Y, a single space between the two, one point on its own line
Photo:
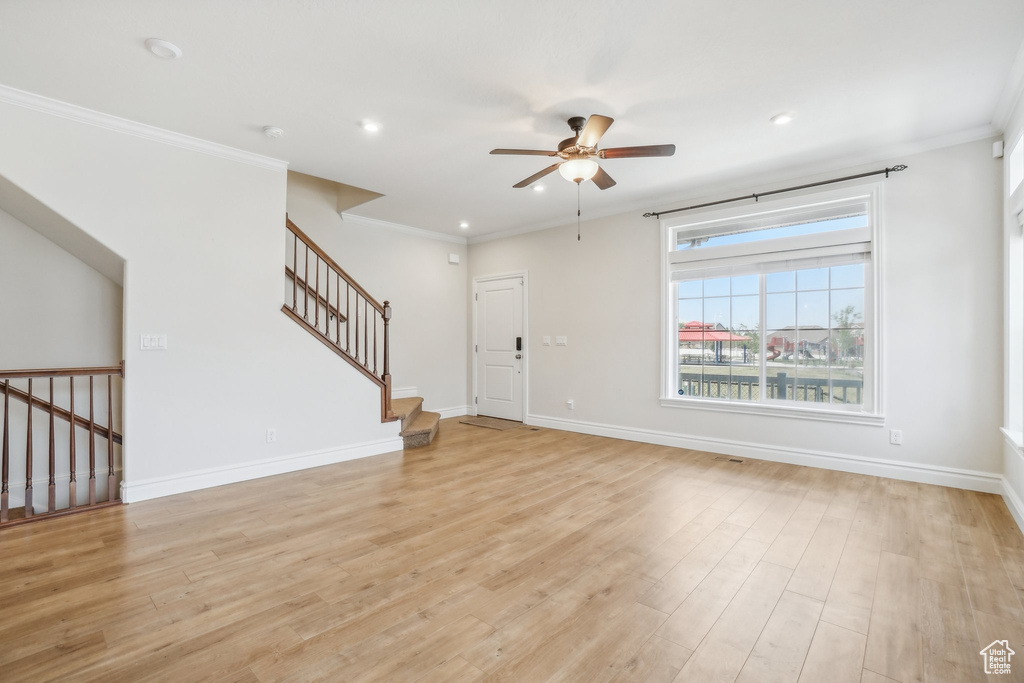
x=418 y=426
x=329 y=304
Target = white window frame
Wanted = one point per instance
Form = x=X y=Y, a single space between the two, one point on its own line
x=873 y=310
x=1013 y=274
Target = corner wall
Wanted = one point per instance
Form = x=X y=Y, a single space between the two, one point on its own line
x=942 y=289
x=202 y=234
x=56 y=311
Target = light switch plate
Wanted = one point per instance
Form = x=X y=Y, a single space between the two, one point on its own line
x=561 y=341
x=453 y=259
x=547 y=341
x=153 y=342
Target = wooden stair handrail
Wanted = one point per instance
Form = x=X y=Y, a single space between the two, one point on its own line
x=333 y=264
x=63 y=414
x=63 y=372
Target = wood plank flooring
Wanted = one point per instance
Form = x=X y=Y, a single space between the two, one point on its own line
x=521 y=555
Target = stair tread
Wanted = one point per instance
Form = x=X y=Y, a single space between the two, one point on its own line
x=403 y=407
x=424 y=423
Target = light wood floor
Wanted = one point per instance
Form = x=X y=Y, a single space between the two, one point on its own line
x=526 y=555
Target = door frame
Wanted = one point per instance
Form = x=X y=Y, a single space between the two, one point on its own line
x=525 y=274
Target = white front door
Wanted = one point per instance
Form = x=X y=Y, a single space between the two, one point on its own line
x=500 y=348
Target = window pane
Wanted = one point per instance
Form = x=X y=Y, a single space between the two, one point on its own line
x=847 y=386
x=745 y=284
x=690 y=310
x=716 y=311
x=811 y=383
x=746 y=235
x=780 y=282
x=848 y=308
x=847 y=276
x=690 y=289
x=812 y=310
x=781 y=311
x=717 y=287
x=815 y=278
x=745 y=312
x=780 y=364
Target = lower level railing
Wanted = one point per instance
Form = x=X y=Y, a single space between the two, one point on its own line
x=60 y=421
x=779 y=386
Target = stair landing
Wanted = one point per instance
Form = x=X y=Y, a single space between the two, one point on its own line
x=418 y=426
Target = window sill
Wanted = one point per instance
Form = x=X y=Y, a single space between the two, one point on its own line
x=1015 y=439
x=776 y=411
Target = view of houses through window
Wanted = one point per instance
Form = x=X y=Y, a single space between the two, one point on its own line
x=810 y=347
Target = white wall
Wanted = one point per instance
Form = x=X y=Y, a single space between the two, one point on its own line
x=203 y=239
x=55 y=310
x=943 y=381
x=427 y=294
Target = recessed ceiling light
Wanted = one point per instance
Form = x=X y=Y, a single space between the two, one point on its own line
x=163 y=49
x=538 y=188
x=273 y=132
x=464 y=225
x=370 y=126
x=783 y=118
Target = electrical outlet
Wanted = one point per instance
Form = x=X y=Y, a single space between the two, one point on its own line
x=571 y=404
x=896 y=437
x=271 y=435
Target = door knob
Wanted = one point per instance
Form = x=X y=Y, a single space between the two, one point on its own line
x=518 y=356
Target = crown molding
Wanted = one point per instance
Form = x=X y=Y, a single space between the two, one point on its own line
x=1012 y=93
x=73 y=112
x=398 y=227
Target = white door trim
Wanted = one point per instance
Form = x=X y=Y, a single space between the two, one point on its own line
x=525 y=274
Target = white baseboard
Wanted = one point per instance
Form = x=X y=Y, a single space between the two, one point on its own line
x=971 y=480
x=144 y=489
x=456 y=411
x=1013 y=502
x=404 y=392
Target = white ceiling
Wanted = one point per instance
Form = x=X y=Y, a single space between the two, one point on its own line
x=449 y=80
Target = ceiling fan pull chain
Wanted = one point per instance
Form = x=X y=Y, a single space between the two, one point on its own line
x=577 y=212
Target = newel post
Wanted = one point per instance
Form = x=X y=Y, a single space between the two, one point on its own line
x=386 y=413
x=387 y=346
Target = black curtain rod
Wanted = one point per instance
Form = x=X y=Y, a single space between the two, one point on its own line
x=757 y=195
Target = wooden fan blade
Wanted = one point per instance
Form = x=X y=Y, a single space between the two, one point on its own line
x=602 y=179
x=537 y=176
x=595 y=128
x=525 y=152
x=631 y=152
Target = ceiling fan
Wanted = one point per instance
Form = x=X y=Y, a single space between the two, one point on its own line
x=576 y=163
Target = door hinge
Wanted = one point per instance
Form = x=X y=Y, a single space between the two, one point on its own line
x=476 y=297
x=476 y=400
x=476 y=348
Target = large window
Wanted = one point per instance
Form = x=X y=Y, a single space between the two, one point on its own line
x=773 y=307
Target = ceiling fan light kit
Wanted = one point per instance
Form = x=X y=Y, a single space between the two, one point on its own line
x=577 y=153
x=578 y=170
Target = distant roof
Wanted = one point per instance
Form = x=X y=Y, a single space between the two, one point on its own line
x=696 y=331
